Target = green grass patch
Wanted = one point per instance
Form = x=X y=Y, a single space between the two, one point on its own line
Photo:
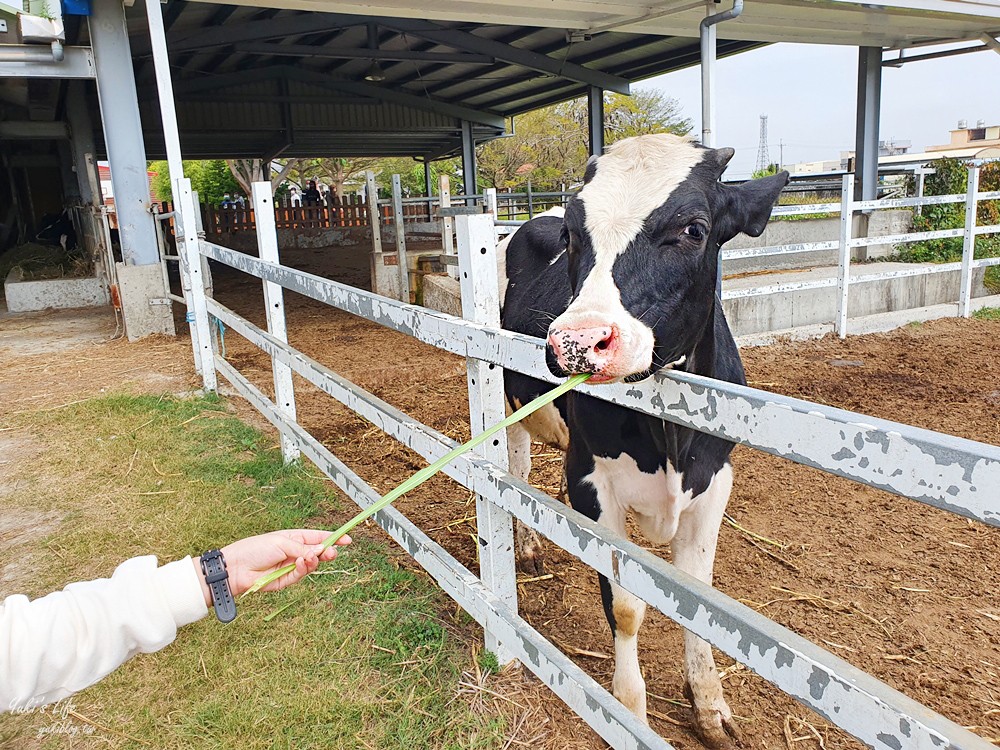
x=355 y=656
x=987 y=313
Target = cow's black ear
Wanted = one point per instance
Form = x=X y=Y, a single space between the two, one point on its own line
x=747 y=207
x=591 y=170
x=722 y=157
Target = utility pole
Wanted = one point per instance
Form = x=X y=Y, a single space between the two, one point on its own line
x=763 y=158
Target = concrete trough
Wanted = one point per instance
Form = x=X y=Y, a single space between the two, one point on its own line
x=27 y=295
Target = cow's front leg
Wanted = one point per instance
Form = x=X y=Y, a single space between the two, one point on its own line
x=528 y=544
x=592 y=494
x=694 y=552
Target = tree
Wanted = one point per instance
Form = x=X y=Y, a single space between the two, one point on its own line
x=248 y=171
x=337 y=172
x=211 y=179
x=550 y=145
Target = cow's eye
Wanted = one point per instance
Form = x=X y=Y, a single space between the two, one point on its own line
x=696 y=230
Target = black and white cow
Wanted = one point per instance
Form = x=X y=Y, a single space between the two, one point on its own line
x=623 y=286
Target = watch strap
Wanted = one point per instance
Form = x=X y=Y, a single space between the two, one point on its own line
x=213 y=567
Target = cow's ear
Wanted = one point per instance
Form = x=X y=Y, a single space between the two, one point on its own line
x=591 y=170
x=747 y=207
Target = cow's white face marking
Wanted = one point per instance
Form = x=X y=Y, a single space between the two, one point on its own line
x=634 y=178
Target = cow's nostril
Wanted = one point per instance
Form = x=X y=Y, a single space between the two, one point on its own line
x=605 y=343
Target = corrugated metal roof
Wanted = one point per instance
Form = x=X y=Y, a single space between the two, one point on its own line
x=268 y=80
x=248 y=80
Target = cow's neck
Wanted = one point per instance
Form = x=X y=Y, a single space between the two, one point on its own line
x=702 y=360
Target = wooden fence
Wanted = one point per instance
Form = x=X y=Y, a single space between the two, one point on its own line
x=351 y=212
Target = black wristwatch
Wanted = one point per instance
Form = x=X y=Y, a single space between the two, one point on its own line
x=213 y=566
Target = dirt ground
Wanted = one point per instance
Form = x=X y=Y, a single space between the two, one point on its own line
x=903 y=591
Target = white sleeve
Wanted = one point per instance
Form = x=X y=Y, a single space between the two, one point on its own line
x=58 y=644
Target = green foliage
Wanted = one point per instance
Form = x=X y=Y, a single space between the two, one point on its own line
x=210 y=178
x=951 y=177
x=767 y=171
x=549 y=145
x=987 y=313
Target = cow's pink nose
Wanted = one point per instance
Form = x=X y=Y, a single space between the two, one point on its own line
x=584 y=349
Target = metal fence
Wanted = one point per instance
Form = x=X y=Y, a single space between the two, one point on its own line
x=847 y=208
x=946 y=472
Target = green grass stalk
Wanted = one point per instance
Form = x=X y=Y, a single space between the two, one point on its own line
x=428 y=471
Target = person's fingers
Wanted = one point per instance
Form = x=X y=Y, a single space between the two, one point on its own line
x=293 y=548
x=307 y=536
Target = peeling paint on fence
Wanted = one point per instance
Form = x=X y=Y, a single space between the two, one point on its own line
x=962 y=476
x=852 y=699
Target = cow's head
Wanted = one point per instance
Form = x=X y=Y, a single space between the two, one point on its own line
x=643 y=239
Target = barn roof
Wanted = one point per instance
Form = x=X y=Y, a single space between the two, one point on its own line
x=295 y=83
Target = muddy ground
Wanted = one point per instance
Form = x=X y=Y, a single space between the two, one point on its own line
x=903 y=591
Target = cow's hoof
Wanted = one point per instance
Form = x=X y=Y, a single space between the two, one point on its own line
x=714 y=727
x=715 y=731
x=531 y=564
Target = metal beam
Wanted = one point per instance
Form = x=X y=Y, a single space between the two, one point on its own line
x=469 y=173
x=275 y=28
x=82 y=137
x=595 y=120
x=990 y=42
x=276 y=98
x=902 y=58
x=123 y=139
x=308 y=50
x=77 y=63
x=513 y=55
x=395 y=96
x=867 y=119
x=224 y=80
x=29 y=130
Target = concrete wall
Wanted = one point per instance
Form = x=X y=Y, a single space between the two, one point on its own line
x=25 y=296
x=774 y=312
x=880 y=223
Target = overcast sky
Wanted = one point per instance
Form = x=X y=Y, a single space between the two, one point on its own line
x=808 y=93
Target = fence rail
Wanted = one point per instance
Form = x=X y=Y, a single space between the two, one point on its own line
x=942 y=471
x=847 y=209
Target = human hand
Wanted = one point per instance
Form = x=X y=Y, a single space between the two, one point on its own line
x=250 y=558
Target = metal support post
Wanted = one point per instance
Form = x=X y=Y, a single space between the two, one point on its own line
x=123 y=131
x=469 y=179
x=190 y=255
x=531 y=202
x=481 y=304
x=844 y=267
x=81 y=130
x=921 y=175
x=274 y=303
x=867 y=118
x=595 y=120
x=968 y=243
x=374 y=217
x=428 y=189
x=397 y=215
x=708 y=37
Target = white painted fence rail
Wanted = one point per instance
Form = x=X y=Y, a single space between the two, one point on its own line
x=958 y=475
x=847 y=208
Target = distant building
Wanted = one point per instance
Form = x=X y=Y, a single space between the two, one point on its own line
x=886 y=148
x=981 y=141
